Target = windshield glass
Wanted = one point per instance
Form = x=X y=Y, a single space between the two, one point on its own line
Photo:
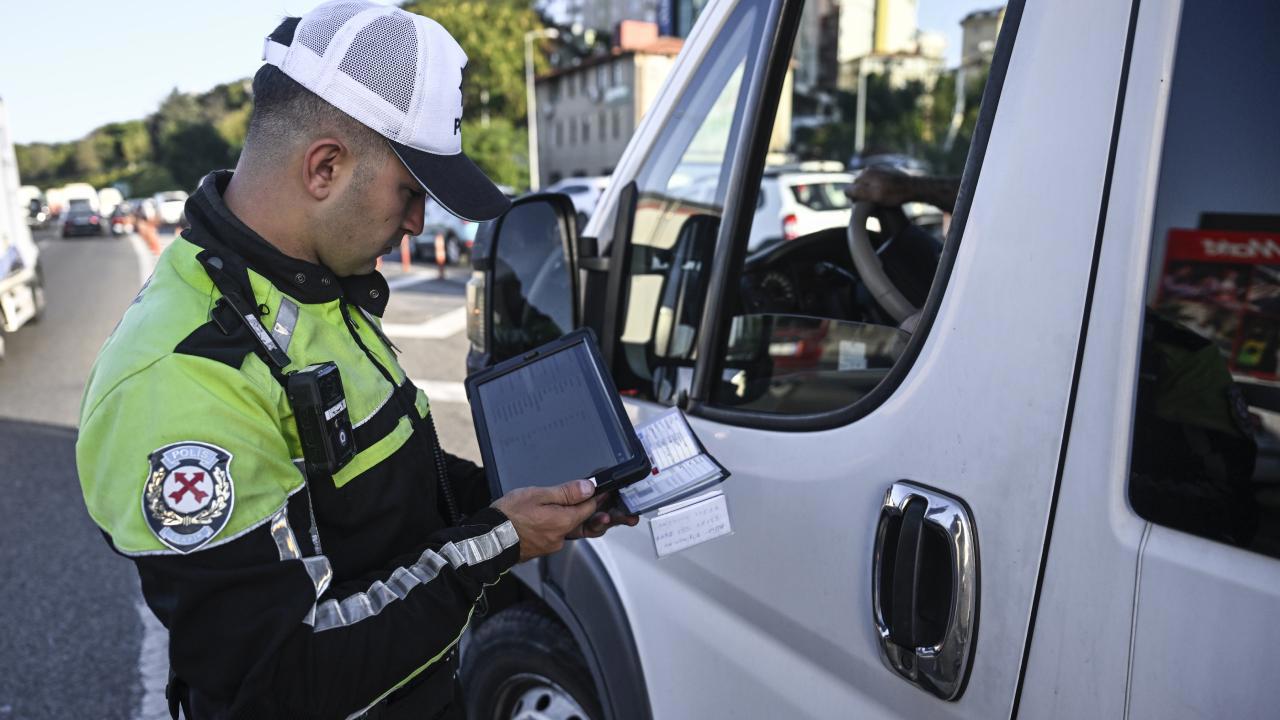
x=821 y=196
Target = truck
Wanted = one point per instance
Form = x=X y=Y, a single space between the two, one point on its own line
x=1030 y=470
x=21 y=277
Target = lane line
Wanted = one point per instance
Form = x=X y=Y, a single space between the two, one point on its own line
x=437 y=328
x=442 y=391
x=413 y=277
x=153 y=655
x=153 y=665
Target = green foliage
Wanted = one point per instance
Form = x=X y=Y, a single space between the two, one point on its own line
x=908 y=120
x=491 y=32
x=191 y=134
x=501 y=150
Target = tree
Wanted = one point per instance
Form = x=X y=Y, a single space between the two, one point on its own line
x=501 y=150
x=491 y=32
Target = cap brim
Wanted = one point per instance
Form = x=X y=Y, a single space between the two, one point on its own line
x=455 y=182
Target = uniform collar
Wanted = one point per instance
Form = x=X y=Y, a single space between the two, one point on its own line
x=213 y=226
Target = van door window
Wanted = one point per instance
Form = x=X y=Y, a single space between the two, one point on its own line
x=680 y=198
x=806 y=332
x=1206 y=440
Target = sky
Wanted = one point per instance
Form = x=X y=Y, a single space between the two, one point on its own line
x=68 y=67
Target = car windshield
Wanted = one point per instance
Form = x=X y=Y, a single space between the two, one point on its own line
x=821 y=195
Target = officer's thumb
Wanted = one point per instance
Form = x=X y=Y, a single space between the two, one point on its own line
x=575 y=491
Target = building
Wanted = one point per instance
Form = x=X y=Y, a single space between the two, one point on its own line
x=674 y=18
x=588 y=112
x=880 y=37
x=979 y=32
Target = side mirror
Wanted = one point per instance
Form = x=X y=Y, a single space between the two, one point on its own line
x=523 y=288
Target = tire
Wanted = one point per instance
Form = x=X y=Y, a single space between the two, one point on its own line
x=522 y=664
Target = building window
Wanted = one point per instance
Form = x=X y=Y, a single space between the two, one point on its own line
x=573 y=131
x=601 y=126
x=586 y=131
x=617 y=124
x=559 y=133
x=569 y=86
x=615 y=69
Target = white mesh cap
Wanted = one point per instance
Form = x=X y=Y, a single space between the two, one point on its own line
x=400 y=74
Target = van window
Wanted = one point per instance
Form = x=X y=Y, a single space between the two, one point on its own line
x=1206 y=441
x=680 y=198
x=806 y=333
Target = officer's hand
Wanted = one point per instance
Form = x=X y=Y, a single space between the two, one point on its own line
x=544 y=517
x=881 y=186
x=610 y=515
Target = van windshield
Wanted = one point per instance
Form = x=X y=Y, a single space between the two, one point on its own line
x=821 y=196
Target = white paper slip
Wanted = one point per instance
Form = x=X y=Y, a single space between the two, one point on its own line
x=681 y=466
x=668 y=439
x=693 y=525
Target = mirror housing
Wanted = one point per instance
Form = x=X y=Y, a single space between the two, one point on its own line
x=523 y=289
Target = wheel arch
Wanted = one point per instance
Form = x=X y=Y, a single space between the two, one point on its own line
x=576 y=587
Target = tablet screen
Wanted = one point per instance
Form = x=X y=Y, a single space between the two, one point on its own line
x=549 y=421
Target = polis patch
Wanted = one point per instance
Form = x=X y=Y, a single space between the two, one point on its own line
x=188 y=495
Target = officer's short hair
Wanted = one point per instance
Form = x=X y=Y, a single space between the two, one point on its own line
x=285 y=114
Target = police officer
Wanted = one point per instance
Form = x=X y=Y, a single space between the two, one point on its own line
x=248 y=436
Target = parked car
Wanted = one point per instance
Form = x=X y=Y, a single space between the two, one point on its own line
x=1028 y=472
x=21 y=274
x=81 y=220
x=583 y=191
x=170 y=206
x=791 y=204
x=459 y=235
x=122 y=219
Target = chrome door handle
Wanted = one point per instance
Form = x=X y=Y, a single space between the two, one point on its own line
x=925 y=587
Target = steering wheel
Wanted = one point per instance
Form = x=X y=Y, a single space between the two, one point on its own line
x=899 y=273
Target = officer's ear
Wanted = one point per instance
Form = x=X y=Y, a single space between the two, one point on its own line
x=324 y=163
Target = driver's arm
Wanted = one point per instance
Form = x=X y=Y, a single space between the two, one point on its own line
x=883 y=186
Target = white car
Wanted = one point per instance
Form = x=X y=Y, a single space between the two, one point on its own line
x=585 y=192
x=792 y=204
x=170 y=206
x=1030 y=472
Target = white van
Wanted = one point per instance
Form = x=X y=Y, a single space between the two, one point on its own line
x=1031 y=471
x=21 y=280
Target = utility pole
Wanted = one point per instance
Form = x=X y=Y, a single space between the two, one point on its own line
x=531 y=101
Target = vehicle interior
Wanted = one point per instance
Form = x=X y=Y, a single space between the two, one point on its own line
x=816 y=323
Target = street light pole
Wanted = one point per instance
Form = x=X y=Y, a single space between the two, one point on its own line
x=531 y=102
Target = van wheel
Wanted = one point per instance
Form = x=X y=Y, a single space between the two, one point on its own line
x=522 y=664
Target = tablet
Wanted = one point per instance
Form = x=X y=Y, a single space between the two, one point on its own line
x=552 y=415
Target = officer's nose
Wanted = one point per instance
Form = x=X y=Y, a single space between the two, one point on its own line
x=413 y=220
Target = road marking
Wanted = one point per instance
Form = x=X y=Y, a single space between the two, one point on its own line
x=442 y=390
x=436 y=328
x=153 y=655
x=146 y=261
x=153 y=666
x=412 y=277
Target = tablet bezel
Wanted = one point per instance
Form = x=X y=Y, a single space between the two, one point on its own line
x=636 y=466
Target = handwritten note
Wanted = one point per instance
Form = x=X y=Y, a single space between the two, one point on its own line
x=689 y=526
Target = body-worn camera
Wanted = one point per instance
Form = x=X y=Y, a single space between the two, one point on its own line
x=320 y=409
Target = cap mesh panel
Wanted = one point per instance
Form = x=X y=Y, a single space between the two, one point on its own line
x=383 y=57
x=318 y=27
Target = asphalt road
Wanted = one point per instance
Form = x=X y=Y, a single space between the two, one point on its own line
x=72 y=629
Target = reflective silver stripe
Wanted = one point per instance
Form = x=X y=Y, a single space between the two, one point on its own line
x=320 y=571
x=286 y=543
x=317 y=567
x=286 y=321
x=361 y=606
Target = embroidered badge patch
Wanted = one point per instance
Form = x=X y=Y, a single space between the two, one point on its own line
x=188 y=495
